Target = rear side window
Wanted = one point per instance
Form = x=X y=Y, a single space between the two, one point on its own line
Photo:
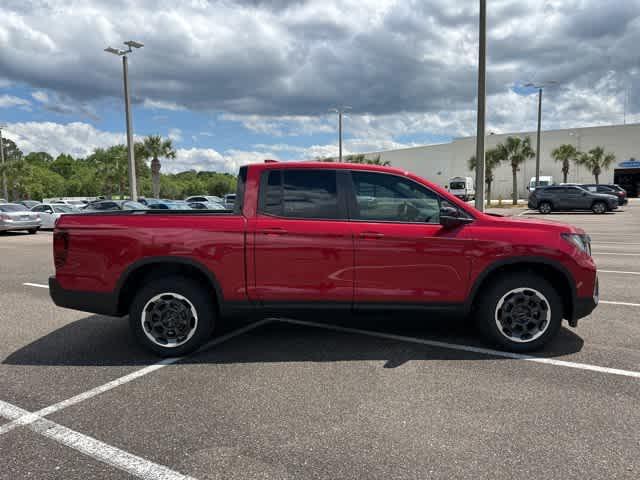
x=311 y=194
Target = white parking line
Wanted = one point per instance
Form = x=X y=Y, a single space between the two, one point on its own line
x=56 y=407
x=125 y=461
x=39 y=285
x=618 y=271
x=618 y=254
x=469 y=348
x=614 y=243
x=628 y=304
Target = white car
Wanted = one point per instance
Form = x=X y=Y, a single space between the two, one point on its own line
x=50 y=212
x=14 y=216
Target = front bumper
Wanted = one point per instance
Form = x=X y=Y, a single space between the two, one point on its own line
x=584 y=306
x=103 y=303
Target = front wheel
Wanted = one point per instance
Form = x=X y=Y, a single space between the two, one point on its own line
x=520 y=312
x=172 y=316
x=544 y=207
x=599 y=207
x=33 y=231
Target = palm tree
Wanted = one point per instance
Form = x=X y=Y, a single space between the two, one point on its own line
x=492 y=160
x=155 y=147
x=596 y=160
x=565 y=154
x=515 y=151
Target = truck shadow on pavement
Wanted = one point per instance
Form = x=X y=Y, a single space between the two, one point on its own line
x=104 y=341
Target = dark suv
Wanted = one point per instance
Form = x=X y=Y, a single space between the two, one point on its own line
x=570 y=197
x=609 y=189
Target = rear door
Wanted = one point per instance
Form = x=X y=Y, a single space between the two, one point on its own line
x=403 y=255
x=302 y=239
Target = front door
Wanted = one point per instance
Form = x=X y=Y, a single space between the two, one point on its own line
x=303 y=241
x=403 y=255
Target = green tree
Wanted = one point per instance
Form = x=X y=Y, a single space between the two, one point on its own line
x=515 y=151
x=39 y=158
x=566 y=154
x=492 y=160
x=64 y=165
x=155 y=147
x=596 y=160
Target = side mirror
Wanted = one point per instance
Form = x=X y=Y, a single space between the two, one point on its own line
x=450 y=218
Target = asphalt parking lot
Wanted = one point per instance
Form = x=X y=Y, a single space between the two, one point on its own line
x=385 y=396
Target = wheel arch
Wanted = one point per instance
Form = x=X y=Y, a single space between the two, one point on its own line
x=551 y=270
x=145 y=269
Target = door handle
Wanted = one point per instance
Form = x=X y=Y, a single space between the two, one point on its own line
x=373 y=235
x=273 y=231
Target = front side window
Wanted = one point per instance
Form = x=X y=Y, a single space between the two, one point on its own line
x=389 y=198
x=311 y=194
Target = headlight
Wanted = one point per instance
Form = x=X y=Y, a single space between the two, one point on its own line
x=582 y=241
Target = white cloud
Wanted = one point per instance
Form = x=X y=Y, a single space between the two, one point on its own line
x=175 y=134
x=40 y=96
x=161 y=105
x=9 y=101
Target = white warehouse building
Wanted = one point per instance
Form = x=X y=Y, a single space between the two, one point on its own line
x=439 y=163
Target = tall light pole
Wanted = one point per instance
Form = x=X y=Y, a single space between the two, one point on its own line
x=340 y=111
x=4 y=175
x=482 y=92
x=127 y=107
x=540 y=87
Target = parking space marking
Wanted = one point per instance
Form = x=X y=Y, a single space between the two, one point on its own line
x=618 y=254
x=628 y=304
x=613 y=243
x=618 y=271
x=56 y=407
x=39 y=285
x=103 y=452
x=469 y=348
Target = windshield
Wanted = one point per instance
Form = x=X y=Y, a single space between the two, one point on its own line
x=63 y=209
x=13 y=207
x=457 y=185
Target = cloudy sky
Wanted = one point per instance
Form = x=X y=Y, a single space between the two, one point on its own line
x=234 y=81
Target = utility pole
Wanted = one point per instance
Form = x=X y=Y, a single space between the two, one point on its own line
x=127 y=107
x=482 y=91
x=4 y=175
x=539 y=87
x=538 y=140
x=340 y=111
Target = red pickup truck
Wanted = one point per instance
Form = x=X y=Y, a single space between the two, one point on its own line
x=310 y=235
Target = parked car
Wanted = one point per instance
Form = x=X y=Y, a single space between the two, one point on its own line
x=169 y=205
x=544 y=181
x=206 y=206
x=570 y=197
x=462 y=187
x=106 y=205
x=229 y=200
x=612 y=189
x=14 y=216
x=50 y=212
x=28 y=203
x=306 y=235
x=204 y=198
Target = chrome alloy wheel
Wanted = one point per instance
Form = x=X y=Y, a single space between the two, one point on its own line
x=169 y=320
x=523 y=314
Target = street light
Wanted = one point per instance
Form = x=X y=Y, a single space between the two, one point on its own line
x=482 y=94
x=4 y=175
x=340 y=111
x=131 y=44
x=539 y=86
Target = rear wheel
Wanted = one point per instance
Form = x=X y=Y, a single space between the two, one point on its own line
x=172 y=316
x=599 y=207
x=545 y=207
x=520 y=312
x=33 y=231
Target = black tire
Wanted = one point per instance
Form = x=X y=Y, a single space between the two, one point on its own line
x=545 y=207
x=599 y=207
x=487 y=317
x=33 y=231
x=195 y=329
